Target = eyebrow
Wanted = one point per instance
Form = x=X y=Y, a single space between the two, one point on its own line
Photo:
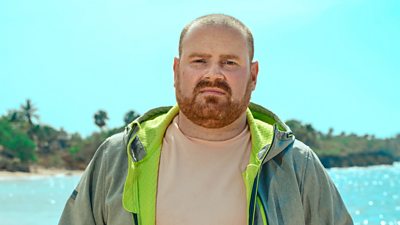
x=200 y=55
x=229 y=56
x=204 y=55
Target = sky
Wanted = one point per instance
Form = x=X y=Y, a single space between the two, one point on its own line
x=328 y=63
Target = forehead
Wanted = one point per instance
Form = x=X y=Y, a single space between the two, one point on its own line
x=201 y=37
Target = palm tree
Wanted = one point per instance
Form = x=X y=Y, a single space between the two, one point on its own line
x=130 y=116
x=28 y=111
x=330 y=133
x=100 y=118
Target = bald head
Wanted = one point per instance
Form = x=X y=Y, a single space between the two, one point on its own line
x=220 y=20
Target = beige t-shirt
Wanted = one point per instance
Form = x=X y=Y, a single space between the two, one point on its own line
x=200 y=182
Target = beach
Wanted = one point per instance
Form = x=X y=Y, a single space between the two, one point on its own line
x=40 y=172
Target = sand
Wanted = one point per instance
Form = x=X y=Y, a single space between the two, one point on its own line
x=41 y=172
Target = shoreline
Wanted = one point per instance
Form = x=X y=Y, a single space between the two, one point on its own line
x=40 y=172
x=50 y=172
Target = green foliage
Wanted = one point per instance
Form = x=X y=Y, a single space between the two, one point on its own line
x=28 y=111
x=21 y=138
x=15 y=116
x=74 y=150
x=130 y=116
x=23 y=141
x=100 y=118
x=306 y=133
x=16 y=142
x=81 y=152
x=343 y=144
x=49 y=139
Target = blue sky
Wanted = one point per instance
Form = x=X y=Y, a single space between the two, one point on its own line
x=328 y=63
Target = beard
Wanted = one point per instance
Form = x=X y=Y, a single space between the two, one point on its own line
x=212 y=111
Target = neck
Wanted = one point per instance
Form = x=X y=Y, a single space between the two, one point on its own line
x=218 y=134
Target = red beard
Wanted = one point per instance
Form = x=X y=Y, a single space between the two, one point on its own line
x=212 y=111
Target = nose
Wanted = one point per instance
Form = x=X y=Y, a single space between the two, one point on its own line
x=215 y=71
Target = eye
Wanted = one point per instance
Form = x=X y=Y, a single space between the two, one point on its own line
x=229 y=63
x=199 y=61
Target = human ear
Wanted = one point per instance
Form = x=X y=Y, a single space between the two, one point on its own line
x=254 y=74
x=176 y=69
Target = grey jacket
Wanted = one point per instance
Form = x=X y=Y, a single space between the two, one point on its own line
x=291 y=186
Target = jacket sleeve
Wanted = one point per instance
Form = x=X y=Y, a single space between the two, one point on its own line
x=86 y=204
x=321 y=200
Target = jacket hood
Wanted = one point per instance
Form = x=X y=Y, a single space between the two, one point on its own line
x=273 y=135
x=282 y=134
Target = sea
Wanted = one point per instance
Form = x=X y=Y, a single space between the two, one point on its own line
x=371 y=194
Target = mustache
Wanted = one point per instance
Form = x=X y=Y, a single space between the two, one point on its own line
x=218 y=83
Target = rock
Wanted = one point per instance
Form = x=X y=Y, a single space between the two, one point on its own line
x=13 y=165
x=360 y=159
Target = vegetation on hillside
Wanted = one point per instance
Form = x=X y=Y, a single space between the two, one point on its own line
x=24 y=142
x=347 y=149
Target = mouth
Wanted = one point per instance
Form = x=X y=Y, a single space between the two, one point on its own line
x=212 y=91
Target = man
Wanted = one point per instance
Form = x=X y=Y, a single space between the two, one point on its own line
x=213 y=159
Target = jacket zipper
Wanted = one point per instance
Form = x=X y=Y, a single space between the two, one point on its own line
x=135 y=219
x=136 y=215
x=136 y=194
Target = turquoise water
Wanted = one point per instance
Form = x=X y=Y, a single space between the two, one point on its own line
x=371 y=194
x=34 y=200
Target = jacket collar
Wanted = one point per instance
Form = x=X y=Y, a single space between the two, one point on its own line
x=149 y=129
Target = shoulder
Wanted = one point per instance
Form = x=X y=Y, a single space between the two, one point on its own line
x=301 y=150
x=113 y=144
x=307 y=163
x=305 y=157
x=110 y=153
x=297 y=159
x=296 y=152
